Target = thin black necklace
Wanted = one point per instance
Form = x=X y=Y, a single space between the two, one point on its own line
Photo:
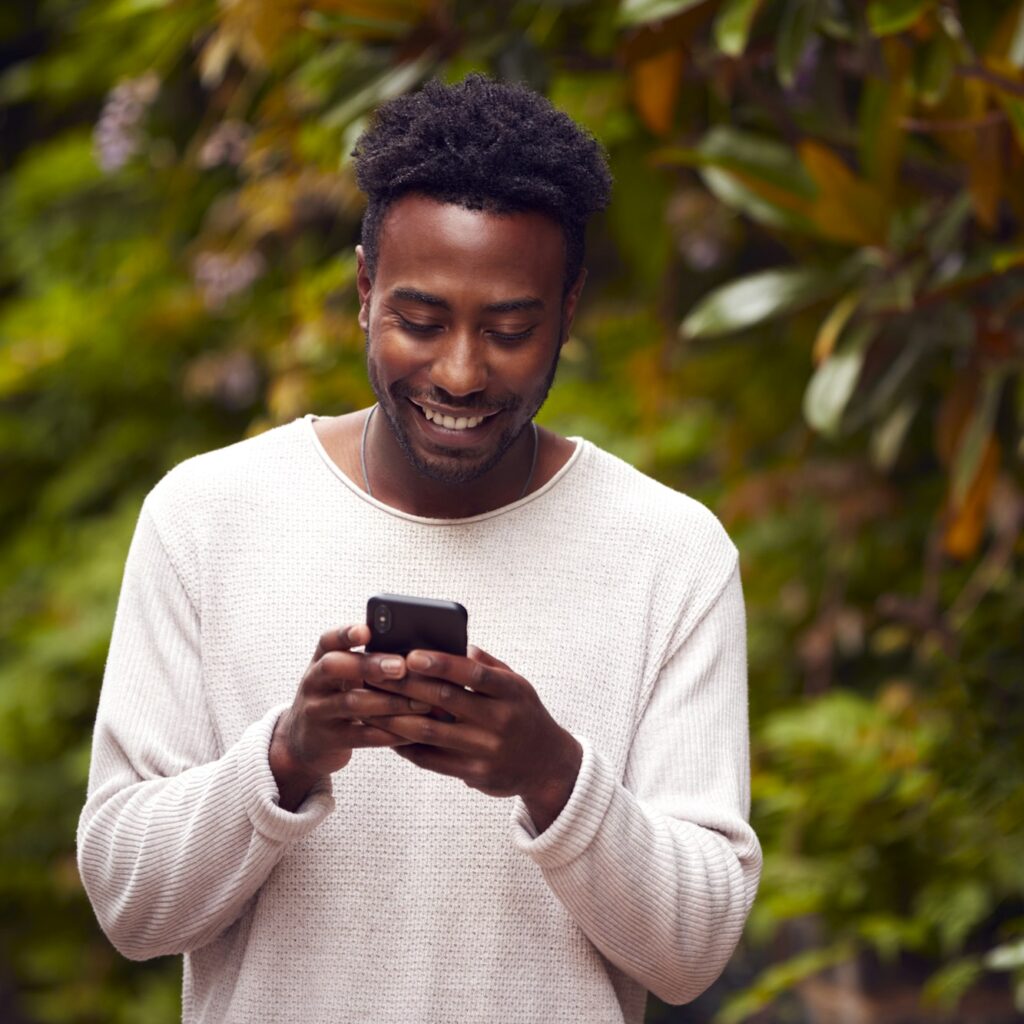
x=366 y=476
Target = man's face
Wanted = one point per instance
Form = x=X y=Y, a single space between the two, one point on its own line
x=464 y=321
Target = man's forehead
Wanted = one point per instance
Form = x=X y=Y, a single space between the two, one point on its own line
x=424 y=240
x=406 y=217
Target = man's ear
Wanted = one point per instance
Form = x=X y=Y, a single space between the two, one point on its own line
x=365 y=287
x=570 y=302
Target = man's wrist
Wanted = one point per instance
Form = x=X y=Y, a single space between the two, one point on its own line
x=294 y=780
x=547 y=801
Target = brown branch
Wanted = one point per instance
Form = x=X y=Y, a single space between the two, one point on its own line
x=1010 y=85
x=917 y=124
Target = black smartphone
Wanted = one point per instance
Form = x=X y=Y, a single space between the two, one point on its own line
x=399 y=624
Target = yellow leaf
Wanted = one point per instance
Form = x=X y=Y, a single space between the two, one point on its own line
x=985 y=174
x=832 y=326
x=654 y=86
x=965 y=523
x=846 y=209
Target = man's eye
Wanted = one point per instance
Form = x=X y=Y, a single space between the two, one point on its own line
x=506 y=337
x=416 y=328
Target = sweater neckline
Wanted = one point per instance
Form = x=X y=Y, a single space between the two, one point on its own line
x=307 y=423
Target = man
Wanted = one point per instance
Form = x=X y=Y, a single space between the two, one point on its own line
x=249 y=810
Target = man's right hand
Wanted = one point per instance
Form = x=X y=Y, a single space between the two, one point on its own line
x=317 y=734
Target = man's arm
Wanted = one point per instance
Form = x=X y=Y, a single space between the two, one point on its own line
x=177 y=835
x=660 y=871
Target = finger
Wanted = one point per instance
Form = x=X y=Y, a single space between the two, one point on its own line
x=343 y=638
x=432 y=732
x=337 y=671
x=344 y=670
x=359 y=735
x=382 y=668
x=444 y=762
x=479 y=654
x=362 y=703
x=456 y=700
x=493 y=680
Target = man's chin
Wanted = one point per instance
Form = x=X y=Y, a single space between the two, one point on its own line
x=455 y=467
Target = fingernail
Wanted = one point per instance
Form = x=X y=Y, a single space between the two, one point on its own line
x=421 y=661
x=418 y=705
x=353 y=634
x=391 y=666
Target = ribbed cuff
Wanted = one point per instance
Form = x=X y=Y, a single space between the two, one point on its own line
x=574 y=829
x=259 y=787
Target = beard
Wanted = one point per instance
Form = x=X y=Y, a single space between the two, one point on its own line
x=457 y=465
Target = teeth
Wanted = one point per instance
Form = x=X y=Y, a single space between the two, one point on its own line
x=450 y=422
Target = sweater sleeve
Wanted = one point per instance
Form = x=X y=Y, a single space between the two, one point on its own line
x=660 y=869
x=176 y=835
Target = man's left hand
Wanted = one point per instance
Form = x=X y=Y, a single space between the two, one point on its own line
x=503 y=740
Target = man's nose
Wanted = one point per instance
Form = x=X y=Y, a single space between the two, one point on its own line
x=459 y=366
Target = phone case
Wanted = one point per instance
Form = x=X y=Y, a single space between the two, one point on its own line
x=399 y=624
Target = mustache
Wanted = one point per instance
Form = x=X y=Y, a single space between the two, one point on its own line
x=436 y=396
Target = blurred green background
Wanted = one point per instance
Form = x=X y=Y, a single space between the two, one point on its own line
x=805 y=307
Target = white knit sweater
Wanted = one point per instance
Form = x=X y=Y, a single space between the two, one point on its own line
x=395 y=894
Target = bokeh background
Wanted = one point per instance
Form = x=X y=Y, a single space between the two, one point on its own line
x=805 y=307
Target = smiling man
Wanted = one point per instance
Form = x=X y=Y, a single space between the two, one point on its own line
x=317 y=841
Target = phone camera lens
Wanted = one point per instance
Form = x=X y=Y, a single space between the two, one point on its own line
x=383 y=618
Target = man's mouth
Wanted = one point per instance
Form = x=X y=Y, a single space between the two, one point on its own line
x=449 y=421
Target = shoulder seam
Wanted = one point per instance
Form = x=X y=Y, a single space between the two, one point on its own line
x=148 y=510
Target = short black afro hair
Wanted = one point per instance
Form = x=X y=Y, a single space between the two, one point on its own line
x=483 y=145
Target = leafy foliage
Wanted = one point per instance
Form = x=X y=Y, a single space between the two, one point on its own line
x=803 y=307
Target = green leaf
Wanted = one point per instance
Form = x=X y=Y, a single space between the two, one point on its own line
x=1008 y=957
x=733 y=25
x=753 y=174
x=886 y=17
x=798 y=20
x=757 y=156
x=944 y=235
x=895 y=382
x=640 y=12
x=392 y=83
x=934 y=64
x=755 y=299
x=835 y=380
x=778 y=979
x=947 y=985
x=342 y=24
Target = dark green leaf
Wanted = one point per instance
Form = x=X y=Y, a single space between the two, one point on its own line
x=733 y=24
x=886 y=17
x=834 y=381
x=798 y=19
x=934 y=64
x=640 y=12
x=755 y=299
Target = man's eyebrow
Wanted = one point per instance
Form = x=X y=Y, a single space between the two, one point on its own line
x=415 y=295
x=514 y=305
x=526 y=302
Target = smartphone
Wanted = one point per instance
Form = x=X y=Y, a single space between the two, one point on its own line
x=399 y=624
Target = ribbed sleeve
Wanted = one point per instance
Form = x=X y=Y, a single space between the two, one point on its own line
x=176 y=835
x=660 y=870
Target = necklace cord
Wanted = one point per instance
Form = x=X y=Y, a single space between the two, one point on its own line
x=366 y=476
